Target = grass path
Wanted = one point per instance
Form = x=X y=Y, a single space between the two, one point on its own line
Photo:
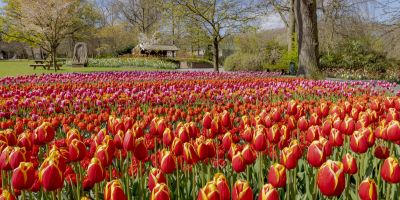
x=16 y=68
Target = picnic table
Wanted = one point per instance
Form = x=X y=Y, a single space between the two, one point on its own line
x=46 y=64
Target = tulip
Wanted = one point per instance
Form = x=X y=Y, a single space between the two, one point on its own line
x=25 y=140
x=44 y=133
x=349 y=164
x=22 y=176
x=5 y=158
x=331 y=179
x=390 y=170
x=249 y=154
x=335 y=138
x=177 y=146
x=222 y=185
x=167 y=162
x=189 y=154
x=367 y=190
x=6 y=195
x=71 y=135
x=202 y=149
x=119 y=139
x=315 y=154
x=313 y=133
x=209 y=192
x=268 y=192
x=381 y=152
x=156 y=176
x=140 y=152
x=17 y=156
x=160 y=192
x=347 y=126
x=259 y=140
x=129 y=141
x=95 y=171
x=77 y=150
x=302 y=124
x=358 y=142
x=226 y=120
x=227 y=141
x=393 y=131
x=288 y=158
x=167 y=137
x=247 y=134
x=292 y=107
x=50 y=175
x=277 y=175
x=114 y=191
x=238 y=162
x=274 y=134
x=242 y=191
x=102 y=153
x=207 y=119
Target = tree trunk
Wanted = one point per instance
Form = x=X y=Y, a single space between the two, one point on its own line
x=53 y=58
x=216 y=54
x=291 y=27
x=306 y=18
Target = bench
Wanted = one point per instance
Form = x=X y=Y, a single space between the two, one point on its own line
x=39 y=65
x=46 y=64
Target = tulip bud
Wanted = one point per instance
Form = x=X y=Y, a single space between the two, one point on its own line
x=51 y=176
x=17 y=156
x=302 y=124
x=226 y=119
x=331 y=179
x=274 y=134
x=95 y=171
x=288 y=158
x=381 y=152
x=177 y=146
x=209 y=192
x=22 y=176
x=114 y=191
x=335 y=138
x=315 y=154
x=156 y=176
x=119 y=139
x=367 y=190
x=347 y=126
x=167 y=137
x=6 y=195
x=77 y=150
x=207 y=120
x=71 y=135
x=242 y=191
x=259 y=140
x=129 y=141
x=5 y=158
x=349 y=164
x=222 y=185
x=140 y=152
x=313 y=133
x=393 y=131
x=358 y=142
x=238 y=162
x=390 y=171
x=247 y=134
x=268 y=192
x=25 y=140
x=227 y=141
x=44 y=133
x=249 y=154
x=189 y=154
x=167 y=162
x=102 y=153
x=160 y=192
x=277 y=175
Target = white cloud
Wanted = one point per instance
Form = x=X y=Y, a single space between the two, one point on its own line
x=272 y=21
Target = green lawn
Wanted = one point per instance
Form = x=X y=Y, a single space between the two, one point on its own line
x=16 y=68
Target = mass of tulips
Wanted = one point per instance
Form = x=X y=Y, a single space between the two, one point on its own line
x=197 y=135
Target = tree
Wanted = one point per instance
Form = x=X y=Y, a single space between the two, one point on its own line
x=307 y=30
x=220 y=18
x=143 y=14
x=43 y=23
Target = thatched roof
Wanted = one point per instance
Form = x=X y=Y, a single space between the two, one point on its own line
x=156 y=47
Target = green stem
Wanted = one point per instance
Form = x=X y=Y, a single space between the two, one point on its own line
x=388 y=191
x=96 y=191
x=53 y=195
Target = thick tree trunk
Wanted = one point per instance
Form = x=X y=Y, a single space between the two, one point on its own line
x=291 y=26
x=53 y=58
x=216 y=54
x=306 y=18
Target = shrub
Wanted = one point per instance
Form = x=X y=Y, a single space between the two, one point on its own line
x=132 y=62
x=244 y=62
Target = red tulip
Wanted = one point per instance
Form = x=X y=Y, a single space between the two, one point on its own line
x=227 y=141
x=222 y=185
x=177 y=146
x=140 y=152
x=5 y=158
x=274 y=134
x=247 y=134
x=167 y=137
x=95 y=171
x=102 y=153
x=22 y=176
x=167 y=162
x=226 y=120
x=242 y=191
x=6 y=195
x=393 y=131
x=17 y=156
x=277 y=175
x=71 y=135
x=288 y=158
x=209 y=192
x=160 y=192
x=119 y=139
x=313 y=133
x=349 y=164
x=358 y=142
x=238 y=162
x=25 y=140
x=129 y=141
x=249 y=154
x=302 y=124
x=114 y=191
x=381 y=152
x=367 y=190
x=268 y=192
x=77 y=150
x=156 y=176
x=390 y=171
x=50 y=175
x=207 y=119
x=335 y=138
x=331 y=179
x=259 y=140
x=189 y=154
x=315 y=154
x=44 y=133
x=347 y=126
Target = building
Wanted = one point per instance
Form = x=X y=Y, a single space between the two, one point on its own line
x=156 y=50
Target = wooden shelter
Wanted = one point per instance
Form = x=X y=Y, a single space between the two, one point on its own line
x=157 y=50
